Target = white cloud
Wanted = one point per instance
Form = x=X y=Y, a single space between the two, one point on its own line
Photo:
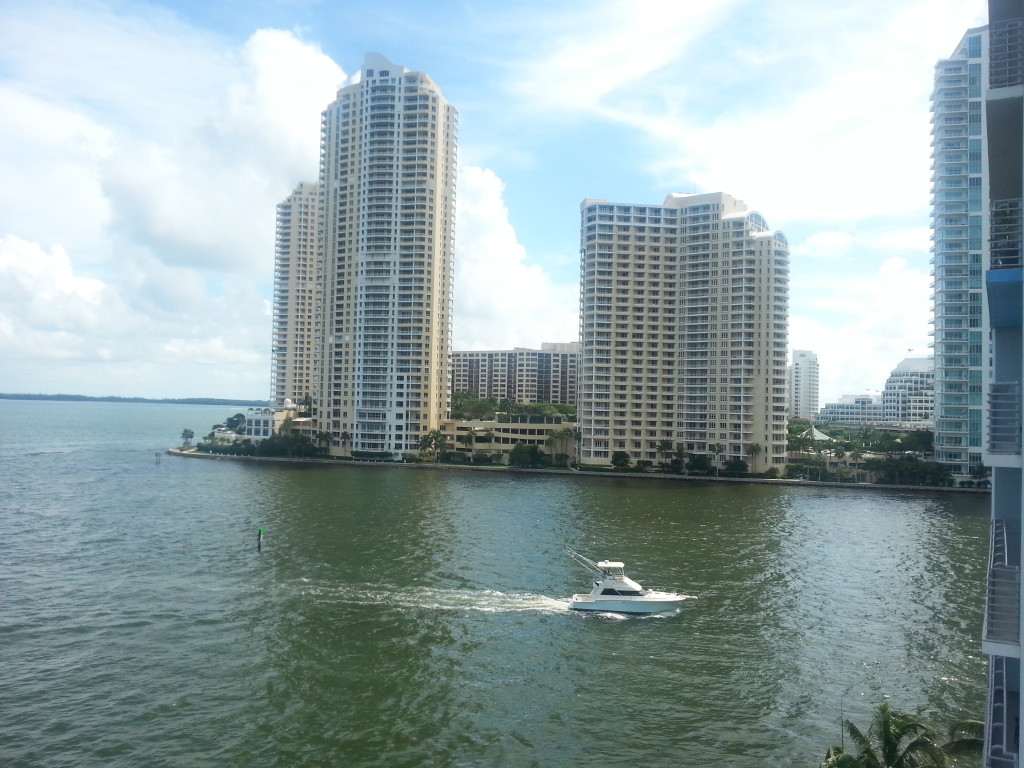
x=826 y=244
x=577 y=60
x=501 y=300
x=142 y=167
x=49 y=311
x=862 y=332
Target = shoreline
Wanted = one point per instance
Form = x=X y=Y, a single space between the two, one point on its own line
x=570 y=472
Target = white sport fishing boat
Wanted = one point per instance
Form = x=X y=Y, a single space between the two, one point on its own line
x=614 y=592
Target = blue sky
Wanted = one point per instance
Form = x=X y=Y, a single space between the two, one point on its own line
x=145 y=145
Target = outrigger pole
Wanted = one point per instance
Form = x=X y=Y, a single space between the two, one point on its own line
x=586 y=562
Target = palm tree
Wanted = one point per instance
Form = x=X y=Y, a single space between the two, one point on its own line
x=553 y=439
x=488 y=435
x=665 y=448
x=716 y=450
x=966 y=740
x=323 y=441
x=435 y=440
x=346 y=439
x=894 y=740
x=186 y=437
x=682 y=456
x=753 y=451
x=467 y=439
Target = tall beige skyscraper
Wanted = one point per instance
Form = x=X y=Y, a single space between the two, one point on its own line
x=387 y=201
x=295 y=272
x=684 y=331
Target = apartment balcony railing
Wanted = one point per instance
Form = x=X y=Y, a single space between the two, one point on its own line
x=1006 y=234
x=1002 y=736
x=1004 y=403
x=1002 y=605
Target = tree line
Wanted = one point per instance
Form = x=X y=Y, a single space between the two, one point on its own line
x=465 y=407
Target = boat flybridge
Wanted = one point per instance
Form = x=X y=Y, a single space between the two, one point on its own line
x=615 y=592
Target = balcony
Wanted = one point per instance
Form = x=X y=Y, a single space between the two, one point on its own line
x=1001 y=633
x=1004 y=405
x=1002 y=737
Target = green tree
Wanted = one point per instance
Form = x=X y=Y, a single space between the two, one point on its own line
x=716 y=450
x=436 y=442
x=893 y=740
x=753 y=451
x=699 y=463
x=323 y=441
x=980 y=474
x=735 y=467
x=523 y=455
x=467 y=439
x=679 y=459
x=665 y=448
x=236 y=423
x=966 y=741
x=346 y=440
x=620 y=459
x=186 y=437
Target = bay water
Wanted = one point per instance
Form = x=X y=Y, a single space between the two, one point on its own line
x=400 y=616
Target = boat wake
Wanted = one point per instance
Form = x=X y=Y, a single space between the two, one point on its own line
x=430 y=598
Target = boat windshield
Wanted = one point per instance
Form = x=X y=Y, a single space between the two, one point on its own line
x=611 y=570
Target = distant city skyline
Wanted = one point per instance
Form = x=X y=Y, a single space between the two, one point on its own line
x=146 y=145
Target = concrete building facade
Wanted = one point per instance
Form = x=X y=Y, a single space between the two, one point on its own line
x=295 y=275
x=1004 y=131
x=684 y=330
x=909 y=395
x=959 y=231
x=387 y=200
x=547 y=375
x=853 y=409
x=802 y=378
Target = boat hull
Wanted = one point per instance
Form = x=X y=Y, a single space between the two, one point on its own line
x=637 y=605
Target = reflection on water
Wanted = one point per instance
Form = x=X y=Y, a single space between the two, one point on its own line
x=409 y=617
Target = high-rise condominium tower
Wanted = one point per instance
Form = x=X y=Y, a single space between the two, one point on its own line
x=295 y=272
x=684 y=331
x=959 y=231
x=803 y=385
x=387 y=198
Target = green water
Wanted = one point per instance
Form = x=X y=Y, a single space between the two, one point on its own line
x=413 y=617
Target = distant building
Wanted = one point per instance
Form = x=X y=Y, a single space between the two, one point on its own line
x=959 y=234
x=909 y=395
x=908 y=399
x=853 y=409
x=501 y=434
x=295 y=274
x=547 y=375
x=803 y=378
x=684 y=330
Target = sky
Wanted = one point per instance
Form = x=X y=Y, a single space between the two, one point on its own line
x=145 y=145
